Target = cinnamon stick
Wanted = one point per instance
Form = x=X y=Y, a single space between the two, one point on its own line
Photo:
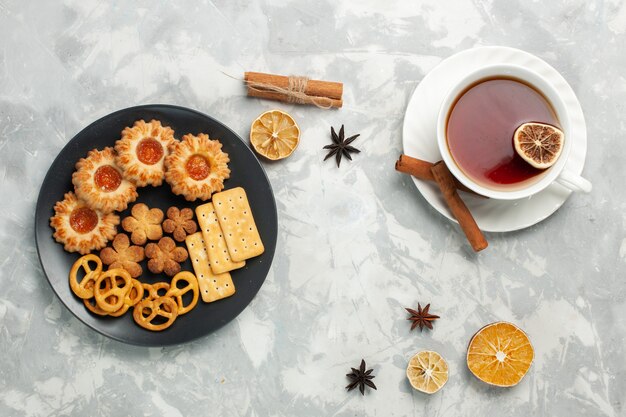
x=421 y=169
x=315 y=88
x=273 y=95
x=446 y=183
x=279 y=87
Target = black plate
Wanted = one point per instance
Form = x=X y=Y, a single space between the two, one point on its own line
x=246 y=171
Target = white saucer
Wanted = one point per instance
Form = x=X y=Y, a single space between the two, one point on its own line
x=419 y=136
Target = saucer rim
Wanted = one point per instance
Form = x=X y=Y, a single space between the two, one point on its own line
x=500 y=55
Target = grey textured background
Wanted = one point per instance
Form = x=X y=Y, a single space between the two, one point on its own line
x=356 y=244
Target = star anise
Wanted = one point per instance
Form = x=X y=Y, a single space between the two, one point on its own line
x=421 y=317
x=361 y=378
x=340 y=146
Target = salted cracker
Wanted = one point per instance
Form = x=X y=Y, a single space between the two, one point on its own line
x=219 y=255
x=213 y=287
x=235 y=217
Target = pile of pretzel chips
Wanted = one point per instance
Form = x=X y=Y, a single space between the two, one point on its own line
x=114 y=292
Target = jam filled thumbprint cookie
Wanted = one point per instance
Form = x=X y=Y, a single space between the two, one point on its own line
x=196 y=167
x=98 y=182
x=80 y=228
x=142 y=150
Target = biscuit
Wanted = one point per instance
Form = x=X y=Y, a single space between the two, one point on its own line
x=165 y=256
x=177 y=293
x=235 y=217
x=196 y=167
x=80 y=228
x=219 y=255
x=179 y=223
x=157 y=314
x=123 y=255
x=108 y=285
x=213 y=287
x=84 y=288
x=98 y=181
x=144 y=223
x=142 y=150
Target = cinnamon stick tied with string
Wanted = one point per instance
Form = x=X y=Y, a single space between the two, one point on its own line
x=446 y=183
x=294 y=89
x=421 y=169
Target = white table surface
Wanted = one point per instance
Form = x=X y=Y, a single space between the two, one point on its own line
x=356 y=244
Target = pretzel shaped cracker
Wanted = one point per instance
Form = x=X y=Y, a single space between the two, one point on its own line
x=123 y=309
x=151 y=291
x=148 y=310
x=177 y=293
x=102 y=293
x=134 y=295
x=84 y=288
x=90 y=304
x=147 y=291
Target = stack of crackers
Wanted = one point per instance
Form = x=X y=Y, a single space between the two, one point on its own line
x=228 y=237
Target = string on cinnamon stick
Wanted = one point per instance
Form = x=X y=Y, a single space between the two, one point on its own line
x=421 y=169
x=446 y=183
x=294 y=89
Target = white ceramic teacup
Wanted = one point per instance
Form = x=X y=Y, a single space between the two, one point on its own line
x=557 y=172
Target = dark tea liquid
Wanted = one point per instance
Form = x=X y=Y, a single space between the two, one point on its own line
x=480 y=131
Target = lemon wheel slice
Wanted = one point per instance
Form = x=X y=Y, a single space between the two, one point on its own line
x=500 y=354
x=274 y=135
x=427 y=371
x=538 y=144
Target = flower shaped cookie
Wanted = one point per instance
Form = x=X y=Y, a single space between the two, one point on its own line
x=80 y=228
x=98 y=181
x=123 y=255
x=142 y=150
x=143 y=224
x=196 y=167
x=165 y=256
x=180 y=223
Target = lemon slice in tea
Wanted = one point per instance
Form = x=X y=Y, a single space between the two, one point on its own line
x=538 y=144
x=500 y=354
x=427 y=371
x=274 y=135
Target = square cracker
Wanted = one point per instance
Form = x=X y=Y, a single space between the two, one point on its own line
x=235 y=217
x=212 y=287
x=219 y=255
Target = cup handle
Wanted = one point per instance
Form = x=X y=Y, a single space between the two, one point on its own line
x=573 y=182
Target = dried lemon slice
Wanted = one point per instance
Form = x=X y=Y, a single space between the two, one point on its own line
x=274 y=135
x=538 y=144
x=427 y=371
x=500 y=354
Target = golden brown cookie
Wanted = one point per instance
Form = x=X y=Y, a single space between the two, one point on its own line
x=142 y=150
x=165 y=257
x=176 y=292
x=98 y=181
x=180 y=223
x=123 y=255
x=80 y=228
x=196 y=167
x=147 y=310
x=111 y=288
x=84 y=288
x=134 y=296
x=144 y=223
x=91 y=305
